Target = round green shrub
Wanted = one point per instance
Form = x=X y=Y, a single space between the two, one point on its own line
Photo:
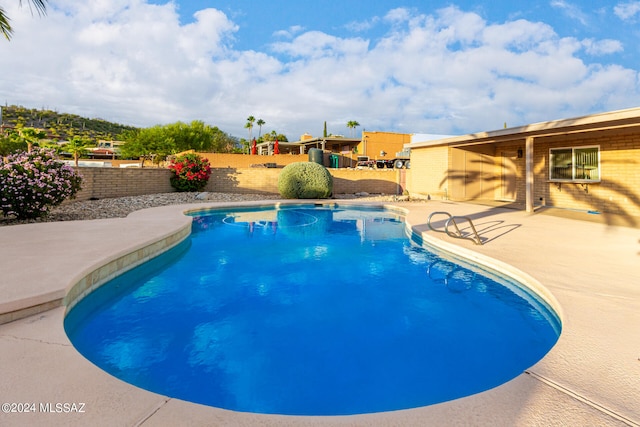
x=305 y=180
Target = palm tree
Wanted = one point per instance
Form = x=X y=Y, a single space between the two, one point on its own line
x=31 y=136
x=5 y=27
x=352 y=124
x=249 y=126
x=77 y=147
x=260 y=122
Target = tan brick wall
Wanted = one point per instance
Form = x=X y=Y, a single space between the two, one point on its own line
x=374 y=181
x=261 y=180
x=244 y=180
x=102 y=183
x=618 y=192
x=429 y=172
x=220 y=160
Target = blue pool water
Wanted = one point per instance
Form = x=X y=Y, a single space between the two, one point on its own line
x=308 y=310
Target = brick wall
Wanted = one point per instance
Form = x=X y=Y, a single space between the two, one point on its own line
x=619 y=189
x=102 y=183
x=221 y=160
x=372 y=181
x=429 y=172
x=618 y=192
x=260 y=180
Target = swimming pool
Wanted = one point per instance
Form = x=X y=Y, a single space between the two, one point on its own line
x=310 y=310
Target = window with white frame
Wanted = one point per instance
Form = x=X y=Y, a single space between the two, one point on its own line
x=574 y=164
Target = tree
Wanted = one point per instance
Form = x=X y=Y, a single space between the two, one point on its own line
x=352 y=124
x=273 y=135
x=249 y=125
x=223 y=142
x=158 y=142
x=10 y=144
x=194 y=136
x=28 y=136
x=148 y=144
x=77 y=146
x=5 y=26
x=260 y=122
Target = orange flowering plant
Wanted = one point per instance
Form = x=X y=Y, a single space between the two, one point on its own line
x=190 y=172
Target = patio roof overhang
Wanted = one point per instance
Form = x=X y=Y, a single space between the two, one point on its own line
x=629 y=118
x=304 y=145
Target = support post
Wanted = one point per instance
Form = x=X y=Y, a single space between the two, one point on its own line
x=529 y=173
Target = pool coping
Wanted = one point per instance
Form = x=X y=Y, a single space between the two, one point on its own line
x=506 y=404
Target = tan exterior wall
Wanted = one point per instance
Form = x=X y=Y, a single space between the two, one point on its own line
x=374 y=181
x=244 y=180
x=617 y=193
x=619 y=190
x=103 y=183
x=429 y=172
x=221 y=160
x=254 y=180
x=375 y=142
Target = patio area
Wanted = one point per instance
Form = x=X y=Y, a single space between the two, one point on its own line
x=590 y=267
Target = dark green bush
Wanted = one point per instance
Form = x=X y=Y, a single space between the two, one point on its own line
x=305 y=180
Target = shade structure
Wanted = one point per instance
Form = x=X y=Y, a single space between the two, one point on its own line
x=276 y=147
x=254 y=149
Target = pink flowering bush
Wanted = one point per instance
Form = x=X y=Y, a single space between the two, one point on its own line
x=31 y=183
x=190 y=172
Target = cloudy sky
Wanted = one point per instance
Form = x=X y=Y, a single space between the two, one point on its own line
x=408 y=66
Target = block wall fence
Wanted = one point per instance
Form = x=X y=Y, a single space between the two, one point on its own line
x=103 y=183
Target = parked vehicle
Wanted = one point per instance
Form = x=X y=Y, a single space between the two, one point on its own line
x=400 y=161
x=365 y=162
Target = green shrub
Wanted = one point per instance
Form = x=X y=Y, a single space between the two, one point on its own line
x=305 y=180
x=31 y=183
x=190 y=172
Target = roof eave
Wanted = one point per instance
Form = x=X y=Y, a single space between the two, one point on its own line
x=613 y=119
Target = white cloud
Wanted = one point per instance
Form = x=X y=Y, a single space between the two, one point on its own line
x=361 y=26
x=571 y=10
x=317 y=44
x=602 y=47
x=398 y=15
x=289 y=33
x=627 y=11
x=448 y=72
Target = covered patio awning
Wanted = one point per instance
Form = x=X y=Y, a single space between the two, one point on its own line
x=303 y=146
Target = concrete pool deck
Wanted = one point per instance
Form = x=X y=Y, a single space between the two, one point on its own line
x=590 y=377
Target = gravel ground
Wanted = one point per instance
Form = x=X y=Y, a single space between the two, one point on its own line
x=123 y=206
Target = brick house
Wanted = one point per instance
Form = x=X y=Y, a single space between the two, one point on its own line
x=587 y=163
